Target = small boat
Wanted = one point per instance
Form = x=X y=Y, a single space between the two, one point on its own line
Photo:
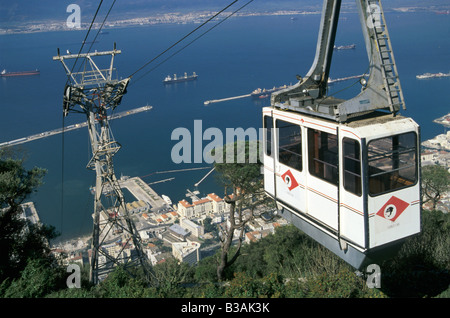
x=167 y=199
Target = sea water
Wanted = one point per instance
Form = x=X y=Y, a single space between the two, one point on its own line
x=235 y=58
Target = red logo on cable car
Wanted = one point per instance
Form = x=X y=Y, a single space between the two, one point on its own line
x=392 y=209
x=289 y=179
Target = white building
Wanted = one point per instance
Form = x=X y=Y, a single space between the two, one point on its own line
x=188 y=252
x=195 y=229
x=212 y=203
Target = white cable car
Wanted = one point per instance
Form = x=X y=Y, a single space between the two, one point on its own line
x=346 y=172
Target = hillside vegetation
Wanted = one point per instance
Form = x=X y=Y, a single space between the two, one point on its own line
x=283 y=265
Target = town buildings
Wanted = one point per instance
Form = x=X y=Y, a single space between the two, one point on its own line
x=199 y=208
x=167 y=231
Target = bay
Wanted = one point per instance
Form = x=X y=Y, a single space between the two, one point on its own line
x=239 y=56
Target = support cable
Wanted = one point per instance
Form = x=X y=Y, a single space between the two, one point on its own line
x=204 y=33
x=99 y=30
x=187 y=35
x=84 y=41
x=63 y=117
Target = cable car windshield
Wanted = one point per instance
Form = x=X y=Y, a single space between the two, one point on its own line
x=392 y=163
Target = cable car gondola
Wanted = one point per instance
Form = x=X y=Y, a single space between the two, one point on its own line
x=346 y=172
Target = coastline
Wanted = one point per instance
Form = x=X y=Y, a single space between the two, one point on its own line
x=195 y=17
x=73 y=245
x=157 y=19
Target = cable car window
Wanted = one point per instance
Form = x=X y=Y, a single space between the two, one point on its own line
x=268 y=125
x=323 y=155
x=289 y=144
x=352 y=166
x=392 y=163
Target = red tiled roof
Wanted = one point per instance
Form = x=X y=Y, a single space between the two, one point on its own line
x=185 y=203
x=201 y=201
x=214 y=197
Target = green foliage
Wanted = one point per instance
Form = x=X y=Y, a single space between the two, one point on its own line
x=240 y=163
x=38 y=279
x=239 y=173
x=243 y=286
x=209 y=226
x=285 y=264
x=171 y=277
x=435 y=182
x=119 y=284
x=16 y=183
x=422 y=267
x=208 y=290
x=206 y=270
x=345 y=284
x=289 y=253
x=444 y=294
x=21 y=243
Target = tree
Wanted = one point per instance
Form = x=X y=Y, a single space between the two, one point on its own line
x=435 y=182
x=244 y=193
x=39 y=278
x=19 y=240
x=171 y=275
x=422 y=266
x=16 y=183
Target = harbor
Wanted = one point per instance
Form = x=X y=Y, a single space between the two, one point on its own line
x=225 y=99
x=69 y=128
x=264 y=92
x=444 y=120
x=30 y=213
x=143 y=192
x=257 y=93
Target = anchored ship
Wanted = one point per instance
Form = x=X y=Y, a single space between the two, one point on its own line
x=432 y=75
x=176 y=79
x=4 y=73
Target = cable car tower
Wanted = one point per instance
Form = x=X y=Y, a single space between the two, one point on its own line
x=346 y=172
x=97 y=92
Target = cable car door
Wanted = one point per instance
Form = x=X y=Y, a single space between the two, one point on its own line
x=288 y=164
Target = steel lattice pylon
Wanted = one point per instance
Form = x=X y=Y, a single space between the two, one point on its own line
x=97 y=93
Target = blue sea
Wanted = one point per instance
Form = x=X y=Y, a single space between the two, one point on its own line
x=235 y=58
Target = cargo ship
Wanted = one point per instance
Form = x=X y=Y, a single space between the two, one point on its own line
x=432 y=75
x=4 y=73
x=176 y=79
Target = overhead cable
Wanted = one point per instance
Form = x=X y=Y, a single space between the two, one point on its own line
x=187 y=35
x=210 y=29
